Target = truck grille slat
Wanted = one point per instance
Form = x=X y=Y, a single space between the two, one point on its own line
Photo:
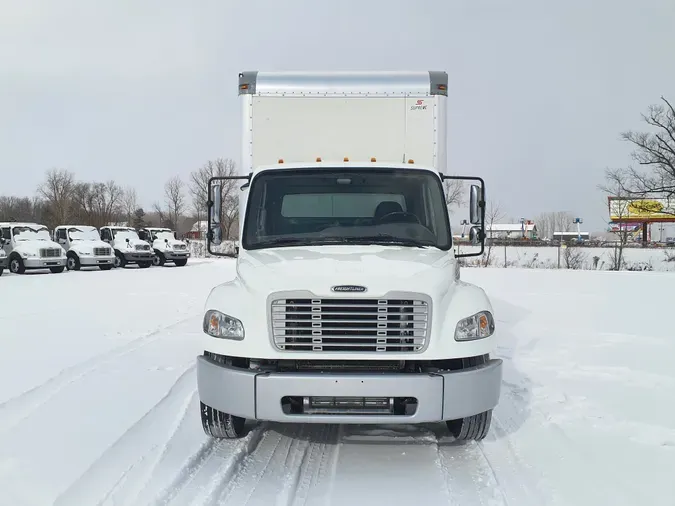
x=102 y=252
x=350 y=325
x=50 y=252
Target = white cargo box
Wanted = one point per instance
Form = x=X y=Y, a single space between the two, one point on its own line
x=299 y=117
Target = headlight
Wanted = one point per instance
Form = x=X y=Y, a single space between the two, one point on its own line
x=217 y=324
x=478 y=326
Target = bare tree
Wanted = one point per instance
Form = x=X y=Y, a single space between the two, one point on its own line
x=97 y=204
x=199 y=180
x=655 y=155
x=493 y=214
x=175 y=200
x=57 y=191
x=129 y=204
x=574 y=258
x=614 y=187
x=454 y=193
x=21 y=209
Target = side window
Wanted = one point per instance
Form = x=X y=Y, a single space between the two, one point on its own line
x=61 y=234
x=5 y=233
x=105 y=234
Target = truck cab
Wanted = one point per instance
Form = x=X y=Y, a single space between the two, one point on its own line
x=347 y=304
x=3 y=258
x=127 y=246
x=166 y=246
x=84 y=247
x=28 y=246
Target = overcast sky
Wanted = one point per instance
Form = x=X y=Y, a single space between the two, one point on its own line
x=142 y=90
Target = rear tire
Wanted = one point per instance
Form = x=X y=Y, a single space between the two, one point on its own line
x=180 y=263
x=57 y=270
x=221 y=425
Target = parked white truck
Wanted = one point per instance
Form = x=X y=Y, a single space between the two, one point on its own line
x=166 y=246
x=29 y=246
x=84 y=247
x=346 y=306
x=127 y=247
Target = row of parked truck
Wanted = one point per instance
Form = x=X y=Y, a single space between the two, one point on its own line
x=28 y=246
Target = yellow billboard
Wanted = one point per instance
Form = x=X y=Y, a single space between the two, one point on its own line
x=641 y=210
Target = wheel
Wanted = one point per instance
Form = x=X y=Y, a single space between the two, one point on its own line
x=159 y=259
x=105 y=267
x=73 y=262
x=16 y=265
x=181 y=262
x=1 y=269
x=57 y=270
x=475 y=427
x=145 y=265
x=221 y=425
x=471 y=428
x=120 y=261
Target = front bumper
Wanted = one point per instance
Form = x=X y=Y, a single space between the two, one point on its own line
x=258 y=395
x=90 y=261
x=138 y=256
x=176 y=255
x=43 y=263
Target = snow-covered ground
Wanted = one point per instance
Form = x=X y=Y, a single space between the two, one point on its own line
x=98 y=402
x=657 y=259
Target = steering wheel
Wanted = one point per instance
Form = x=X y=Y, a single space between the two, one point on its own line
x=407 y=217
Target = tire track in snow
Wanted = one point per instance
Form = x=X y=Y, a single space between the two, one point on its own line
x=17 y=409
x=132 y=453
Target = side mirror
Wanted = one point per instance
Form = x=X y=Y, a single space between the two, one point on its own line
x=215 y=207
x=475 y=235
x=127 y=239
x=475 y=205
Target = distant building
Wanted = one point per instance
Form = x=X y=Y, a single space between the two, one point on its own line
x=513 y=231
x=198 y=230
x=571 y=236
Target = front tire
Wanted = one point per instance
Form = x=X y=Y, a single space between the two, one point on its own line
x=180 y=263
x=105 y=267
x=471 y=428
x=145 y=265
x=475 y=427
x=159 y=259
x=120 y=261
x=73 y=262
x=16 y=265
x=57 y=270
x=1 y=269
x=221 y=425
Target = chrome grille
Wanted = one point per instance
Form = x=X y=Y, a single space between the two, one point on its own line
x=50 y=252
x=142 y=247
x=102 y=252
x=180 y=247
x=350 y=325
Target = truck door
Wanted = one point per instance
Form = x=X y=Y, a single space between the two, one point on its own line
x=7 y=236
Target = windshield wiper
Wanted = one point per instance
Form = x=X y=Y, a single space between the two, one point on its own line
x=386 y=239
x=380 y=239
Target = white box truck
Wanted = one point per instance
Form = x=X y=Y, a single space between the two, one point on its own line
x=346 y=306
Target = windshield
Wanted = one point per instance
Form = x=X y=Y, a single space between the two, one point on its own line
x=162 y=234
x=31 y=234
x=121 y=234
x=338 y=206
x=83 y=234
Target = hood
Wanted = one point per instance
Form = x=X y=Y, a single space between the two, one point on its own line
x=379 y=268
x=161 y=244
x=87 y=246
x=34 y=246
x=122 y=243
